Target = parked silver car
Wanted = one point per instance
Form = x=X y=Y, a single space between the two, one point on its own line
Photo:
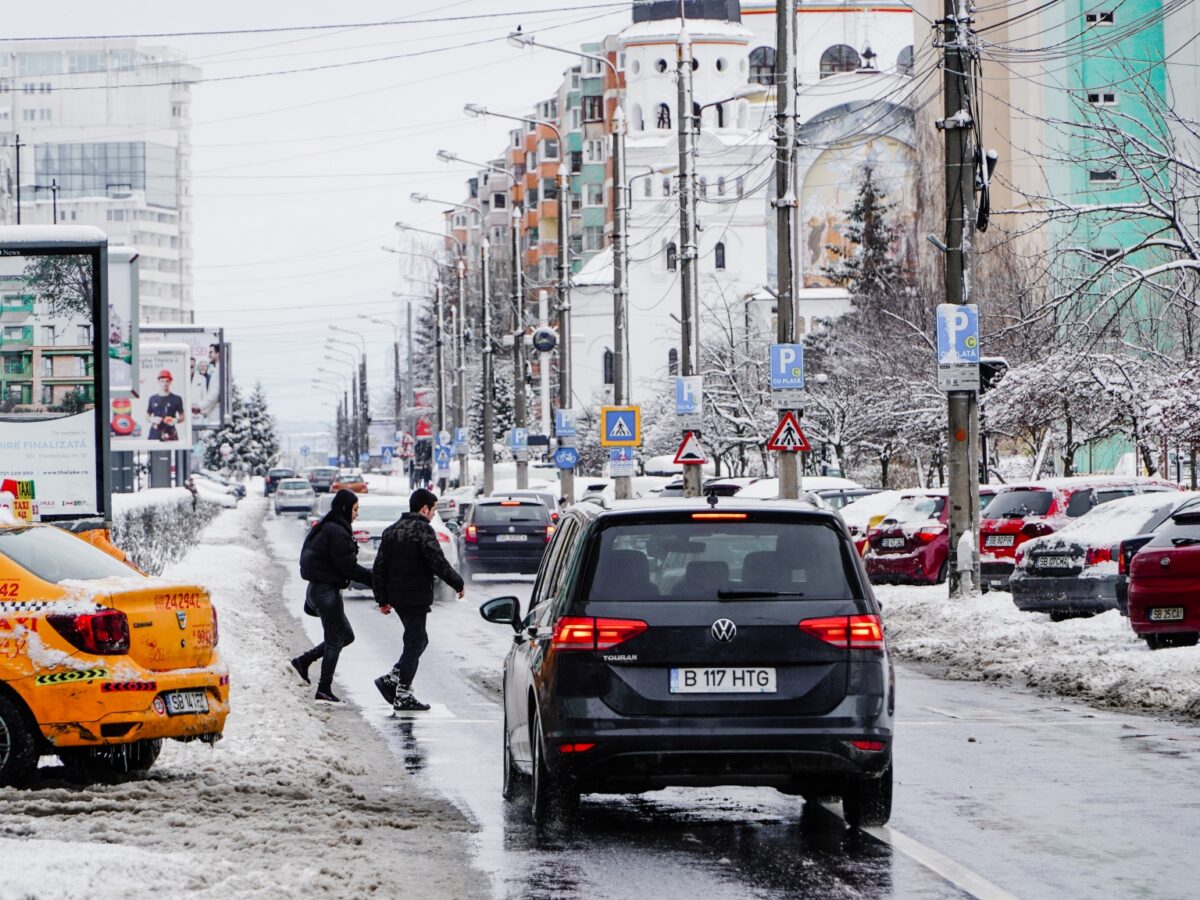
x=294 y=495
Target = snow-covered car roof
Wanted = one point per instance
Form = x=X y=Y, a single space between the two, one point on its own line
x=1112 y=522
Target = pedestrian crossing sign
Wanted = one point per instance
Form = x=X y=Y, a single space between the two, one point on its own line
x=620 y=426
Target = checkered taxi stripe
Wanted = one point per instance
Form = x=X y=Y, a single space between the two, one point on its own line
x=27 y=605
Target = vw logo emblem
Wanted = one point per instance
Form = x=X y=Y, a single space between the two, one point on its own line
x=511 y=529
x=723 y=630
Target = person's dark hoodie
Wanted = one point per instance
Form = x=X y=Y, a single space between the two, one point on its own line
x=330 y=554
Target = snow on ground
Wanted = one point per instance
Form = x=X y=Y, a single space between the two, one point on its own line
x=299 y=799
x=985 y=637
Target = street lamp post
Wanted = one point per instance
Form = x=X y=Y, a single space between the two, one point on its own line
x=396 y=392
x=688 y=280
x=364 y=410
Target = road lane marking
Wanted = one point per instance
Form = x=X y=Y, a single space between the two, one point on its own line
x=942 y=712
x=435 y=711
x=958 y=875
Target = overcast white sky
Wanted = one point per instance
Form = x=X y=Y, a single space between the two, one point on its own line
x=299 y=177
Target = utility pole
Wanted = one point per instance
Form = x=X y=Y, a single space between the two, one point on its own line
x=460 y=347
x=688 y=257
x=489 y=384
x=564 y=312
x=397 y=392
x=17 y=150
x=439 y=362
x=787 y=463
x=353 y=422
x=623 y=484
x=963 y=469
x=520 y=414
x=364 y=439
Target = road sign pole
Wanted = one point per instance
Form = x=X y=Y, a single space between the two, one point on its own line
x=786 y=462
x=518 y=348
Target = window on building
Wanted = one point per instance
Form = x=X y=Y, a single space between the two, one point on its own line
x=576 y=202
x=592 y=67
x=595 y=194
x=621 y=62
x=516 y=138
x=593 y=238
x=549 y=149
x=1102 y=98
x=719 y=255
x=666 y=186
x=647 y=187
x=904 y=62
x=47 y=335
x=839 y=58
x=702 y=185
x=80 y=63
x=762 y=65
x=1101 y=17
x=1102 y=175
x=672 y=361
x=531 y=160
x=741 y=185
x=660 y=66
x=593 y=151
x=531 y=198
x=549 y=189
x=664 y=116
x=499 y=201
x=576 y=162
x=575 y=79
x=721 y=186
x=636 y=122
x=576 y=118
x=1107 y=252
x=720 y=110
x=593 y=108
x=672 y=257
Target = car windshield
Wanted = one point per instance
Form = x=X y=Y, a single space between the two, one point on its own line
x=381 y=512
x=280 y=473
x=323 y=473
x=916 y=509
x=53 y=555
x=771 y=557
x=1018 y=503
x=500 y=514
x=295 y=484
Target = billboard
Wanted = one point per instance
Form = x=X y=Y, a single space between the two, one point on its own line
x=157 y=415
x=208 y=368
x=122 y=317
x=53 y=346
x=381 y=433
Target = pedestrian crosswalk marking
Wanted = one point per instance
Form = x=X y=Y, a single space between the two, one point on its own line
x=620 y=429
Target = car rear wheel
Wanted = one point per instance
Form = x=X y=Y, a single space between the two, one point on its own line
x=18 y=752
x=120 y=759
x=869 y=801
x=552 y=799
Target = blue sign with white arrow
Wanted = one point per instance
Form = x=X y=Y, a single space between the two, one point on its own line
x=566 y=457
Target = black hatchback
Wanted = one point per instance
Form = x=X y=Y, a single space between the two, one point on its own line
x=698 y=643
x=504 y=534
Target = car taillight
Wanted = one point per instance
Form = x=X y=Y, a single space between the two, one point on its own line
x=575 y=748
x=554 y=517
x=362 y=536
x=1036 y=529
x=847 y=632
x=549 y=533
x=1097 y=555
x=586 y=633
x=471 y=534
x=1020 y=555
x=869 y=746
x=216 y=628
x=930 y=533
x=1123 y=560
x=105 y=632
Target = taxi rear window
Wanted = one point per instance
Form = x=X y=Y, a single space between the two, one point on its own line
x=53 y=555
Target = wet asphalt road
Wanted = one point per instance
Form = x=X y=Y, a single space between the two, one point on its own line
x=999 y=792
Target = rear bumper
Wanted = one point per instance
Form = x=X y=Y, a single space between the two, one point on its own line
x=636 y=754
x=1065 y=594
x=919 y=567
x=1142 y=601
x=996 y=573
x=506 y=561
x=293 y=506
x=119 y=710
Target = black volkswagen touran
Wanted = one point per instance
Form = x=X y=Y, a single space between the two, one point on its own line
x=698 y=642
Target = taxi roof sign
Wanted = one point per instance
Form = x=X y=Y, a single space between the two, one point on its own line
x=620 y=426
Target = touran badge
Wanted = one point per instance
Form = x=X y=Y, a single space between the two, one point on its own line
x=723 y=630
x=181 y=618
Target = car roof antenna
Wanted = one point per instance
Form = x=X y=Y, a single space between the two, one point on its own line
x=712 y=498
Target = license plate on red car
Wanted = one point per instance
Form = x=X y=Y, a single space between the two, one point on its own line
x=892 y=543
x=999 y=540
x=1166 y=614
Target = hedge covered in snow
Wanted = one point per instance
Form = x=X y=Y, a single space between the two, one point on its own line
x=157 y=527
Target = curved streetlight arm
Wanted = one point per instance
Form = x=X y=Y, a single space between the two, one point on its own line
x=425 y=198
x=391 y=325
x=362 y=340
x=402 y=226
x=447 y=157
x=354 y=347
x=475 y=110
x=519 y=38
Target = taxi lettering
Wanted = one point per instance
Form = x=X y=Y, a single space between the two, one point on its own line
x=11 y=648
x=182 y=600
x=9 y=588
x=27 y=622
x=203 y=637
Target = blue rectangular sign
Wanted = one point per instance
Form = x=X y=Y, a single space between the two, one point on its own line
x=957 y=334
x=688 y=392
x=564 y=422
x=787 y=367
x=518 y=438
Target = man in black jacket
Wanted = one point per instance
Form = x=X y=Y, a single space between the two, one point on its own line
x=409 y=558
x=329 y=562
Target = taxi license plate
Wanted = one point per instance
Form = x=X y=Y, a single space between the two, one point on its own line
x=999 y=540
x=1166 y=614
x=1054 y=562
x=891 y=543
x=511 y=537
x=739 y=680
x=182 y=703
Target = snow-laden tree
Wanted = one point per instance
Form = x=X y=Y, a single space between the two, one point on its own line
x=235 y=434
x=261 y=450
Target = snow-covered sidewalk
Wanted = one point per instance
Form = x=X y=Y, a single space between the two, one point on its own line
x=298 y=799
x=1099 y=660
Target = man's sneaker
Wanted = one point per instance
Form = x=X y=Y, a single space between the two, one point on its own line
x=386 y=685
x=327 y=697
x=406 y=702
x=301 y=668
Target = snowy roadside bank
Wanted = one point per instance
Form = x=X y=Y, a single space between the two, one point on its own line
x=297 y=800
x=985 y=637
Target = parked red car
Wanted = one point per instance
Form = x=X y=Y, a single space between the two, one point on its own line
x=1021 y=512
x=911 y=545
x=1164 y=583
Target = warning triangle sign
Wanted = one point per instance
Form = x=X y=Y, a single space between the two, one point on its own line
x=690 y=452
x=788 y=437
x=620 y=429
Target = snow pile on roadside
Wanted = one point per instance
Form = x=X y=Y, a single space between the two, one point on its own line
x=157 y=527
x=297 y=800
x=985 y=637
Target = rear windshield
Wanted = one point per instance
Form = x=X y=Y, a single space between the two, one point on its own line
x=323 y=473
x=1016 y=504
x=523 y=514
x=381 y=512
x=1179 y=530
x=294 y=484
x=917 y=509
x=280 y=473
x=691 y=560
x=53 y=555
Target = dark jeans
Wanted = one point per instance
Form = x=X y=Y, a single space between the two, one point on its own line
x=338 y=634
x=415 y=641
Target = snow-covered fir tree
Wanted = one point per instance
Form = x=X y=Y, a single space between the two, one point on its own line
x=262 y=449
x=249 y=435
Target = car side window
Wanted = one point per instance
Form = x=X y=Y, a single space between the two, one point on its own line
x=547 y=578
x=1081 y=502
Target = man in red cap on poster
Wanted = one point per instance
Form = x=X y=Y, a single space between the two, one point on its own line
x=164 y=410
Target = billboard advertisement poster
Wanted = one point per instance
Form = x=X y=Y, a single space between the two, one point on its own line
x=208 y=368
x=157 y=416
x=53 y=341
x=380 y=434
x=122 y=316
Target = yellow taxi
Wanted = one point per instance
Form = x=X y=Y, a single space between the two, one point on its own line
x=98 y=661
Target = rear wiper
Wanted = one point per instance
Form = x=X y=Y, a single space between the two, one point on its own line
x=751 y=595
x=1184 y=541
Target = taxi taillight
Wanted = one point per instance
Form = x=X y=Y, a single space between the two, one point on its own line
x=216 y=628
x=105 y=632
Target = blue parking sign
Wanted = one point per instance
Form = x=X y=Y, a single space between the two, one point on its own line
x=787 y=367
x=564 y=423
x=958 y=347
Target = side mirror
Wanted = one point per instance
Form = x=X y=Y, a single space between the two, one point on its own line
x=452 y=526
x=503 y=611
